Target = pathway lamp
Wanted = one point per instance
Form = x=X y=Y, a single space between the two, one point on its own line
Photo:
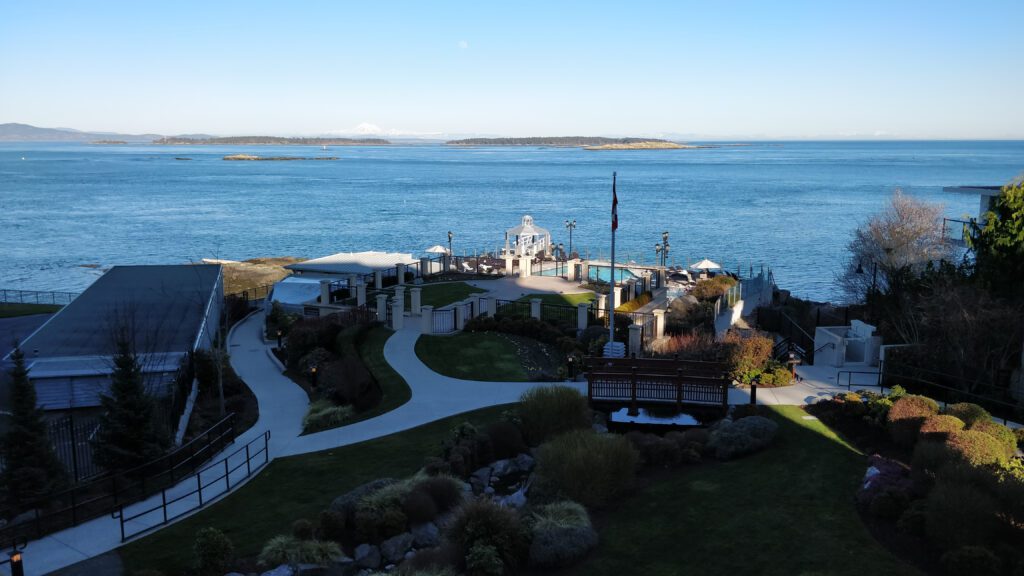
x=661 y=249
x=279 y=334
x=312 y=372
x=17 y=565
x=450 y=236
x=570 y=226
x=874 y=274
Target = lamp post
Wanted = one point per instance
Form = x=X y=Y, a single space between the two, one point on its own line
x=17 y=567
x=570 y=225
x=561 y=253
x=279 y=334
x=662 y=248
x=312 y=372
x=450 y=236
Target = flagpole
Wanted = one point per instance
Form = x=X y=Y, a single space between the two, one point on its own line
x=611 y=283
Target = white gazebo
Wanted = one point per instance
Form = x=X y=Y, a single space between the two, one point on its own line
x=526 y=240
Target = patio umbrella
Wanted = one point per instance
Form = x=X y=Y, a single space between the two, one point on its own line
x=705 y=264
x=436 y=249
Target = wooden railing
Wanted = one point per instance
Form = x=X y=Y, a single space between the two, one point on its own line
x=637 y=381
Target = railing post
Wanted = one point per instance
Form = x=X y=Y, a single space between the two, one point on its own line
x=248 y=466
x=227 y=477
x=679 y=389
x=199 y=488
x=163 y=499
x=120 y=516
x=633 y=409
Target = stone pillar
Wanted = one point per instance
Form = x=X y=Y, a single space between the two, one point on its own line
x=400 y=271
x=400 y=294
x=382 y=307
x=634 y=339
x=584 y=270
x=582 y=317
x=424 y=267
x=508 y=265
x=427 y=319
x=360 y=294
x=488 y=305
x=325 y=292
x=414 y=305
x=659 y=323
x=397 y=314
x=525 y=267
x=535 y=308
x=352 y=280
x=602 y=305
x=460 y=316
x=378 y=279
x=616 y=297
x=476 y=305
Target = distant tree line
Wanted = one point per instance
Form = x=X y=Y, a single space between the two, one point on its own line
x=550 y=141
x=276 y=140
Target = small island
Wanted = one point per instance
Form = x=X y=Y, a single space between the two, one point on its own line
x=250 y=157
x=108 y=142
x=646 y=145
x=553 y=141
x=269 y=141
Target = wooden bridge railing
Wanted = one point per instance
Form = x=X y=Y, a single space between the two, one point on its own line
x=656 y=381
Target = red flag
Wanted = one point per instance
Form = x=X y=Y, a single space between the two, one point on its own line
x=615 y=206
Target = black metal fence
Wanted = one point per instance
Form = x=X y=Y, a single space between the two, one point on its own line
x=70 y=439
x=9 y=296
x=111 y=492
x=511 y=308
x=255 y=294
x=196 y=491
x=946 y=389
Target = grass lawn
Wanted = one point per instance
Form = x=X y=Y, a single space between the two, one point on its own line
x=787 y=510
x=293 y=488
x=473 y=356
x=561 y=299
x=395 y=389
x=11 y=309
x=437 y=295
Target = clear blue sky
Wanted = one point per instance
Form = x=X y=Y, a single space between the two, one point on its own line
x=776 y=69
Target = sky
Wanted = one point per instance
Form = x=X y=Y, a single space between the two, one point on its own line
x=724 y=69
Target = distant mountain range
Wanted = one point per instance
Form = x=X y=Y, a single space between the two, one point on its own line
x=13 y=132
x=272 y=140
x=561 y=141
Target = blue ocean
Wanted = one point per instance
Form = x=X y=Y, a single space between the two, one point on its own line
x=69 y=210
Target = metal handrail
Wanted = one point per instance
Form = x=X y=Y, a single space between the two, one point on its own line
x=850 y=373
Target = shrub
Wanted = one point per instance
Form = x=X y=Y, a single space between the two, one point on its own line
x=897 y=392
x=213 y=551
x=688 y=346
x=929 y=457
x=889 y=504
x=484 y=560
x=967 y=412
x=748 y=356
x=635 y=304
x=445 y=491
x=940 y=427
x=960 y=514
x=562 y=534
x=333 y=525
x=698 y=435
x=1001 y=433
x=906 y=417
x=347 y=381
x=655 y=450
x=485 y=523
x=977 y=448
x=547 y=411
x=290 y=550
x=379 y=515
x=302 y=529
x=506 y=439
x=743 y=436
x=913 y=519
x=324 y=415
x=775 y=375
x=711 y=288
x=973 y=560
x=586 y=467
x=419 y=507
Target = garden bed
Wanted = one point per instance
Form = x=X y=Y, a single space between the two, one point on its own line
x=489 y=356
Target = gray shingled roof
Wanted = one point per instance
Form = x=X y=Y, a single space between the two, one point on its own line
x=166 y=305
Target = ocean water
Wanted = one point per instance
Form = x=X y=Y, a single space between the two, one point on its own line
x=69 y=210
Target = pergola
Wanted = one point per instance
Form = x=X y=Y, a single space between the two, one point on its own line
x=526 y=239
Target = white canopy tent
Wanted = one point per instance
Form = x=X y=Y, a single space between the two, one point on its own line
x=436 y=249
x=295 y=291
x=353 y=263
x=705 y=264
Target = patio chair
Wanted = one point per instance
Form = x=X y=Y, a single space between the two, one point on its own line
x=466 y=267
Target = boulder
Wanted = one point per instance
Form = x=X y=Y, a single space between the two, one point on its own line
x=489 y=490
x=503 y=467
x=481 y=476
x=524 y=462
x=426 y=535
x=311 y=570
x=367 y=556
x=282 y=570
x=346 y=503
x=394 y=549
x=342 y=566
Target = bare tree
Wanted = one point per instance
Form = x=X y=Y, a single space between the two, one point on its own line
x=894 y=245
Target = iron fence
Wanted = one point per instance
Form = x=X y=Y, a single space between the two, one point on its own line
x=511 y=308
x=110 y=492
x=185 y=497
x=255 y=294
x=443 y=321
x=71 y=442
x=563 y=315
x=10 y=296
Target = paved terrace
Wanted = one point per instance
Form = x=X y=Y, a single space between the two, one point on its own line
x=283 y=404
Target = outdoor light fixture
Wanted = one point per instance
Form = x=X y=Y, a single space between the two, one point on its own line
x=313 y=372
x=17 y=567
x=279 y=334
x=570 y=225
x=662 y=248
x=450 y=236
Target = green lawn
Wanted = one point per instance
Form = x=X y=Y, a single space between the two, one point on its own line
x=787 y=510
x=438 y=295
x=561 y=299
x=473 y=356
x=293 y=488
x=10 y=309
x=396 y=390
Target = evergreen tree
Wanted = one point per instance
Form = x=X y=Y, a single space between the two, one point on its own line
x=32 y=469
x=999 y=244
x=128 y=436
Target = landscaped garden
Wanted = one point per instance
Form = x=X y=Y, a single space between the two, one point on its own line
x=562 y=299
x=438 y=295
x=488 y=356
x=767 y=492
